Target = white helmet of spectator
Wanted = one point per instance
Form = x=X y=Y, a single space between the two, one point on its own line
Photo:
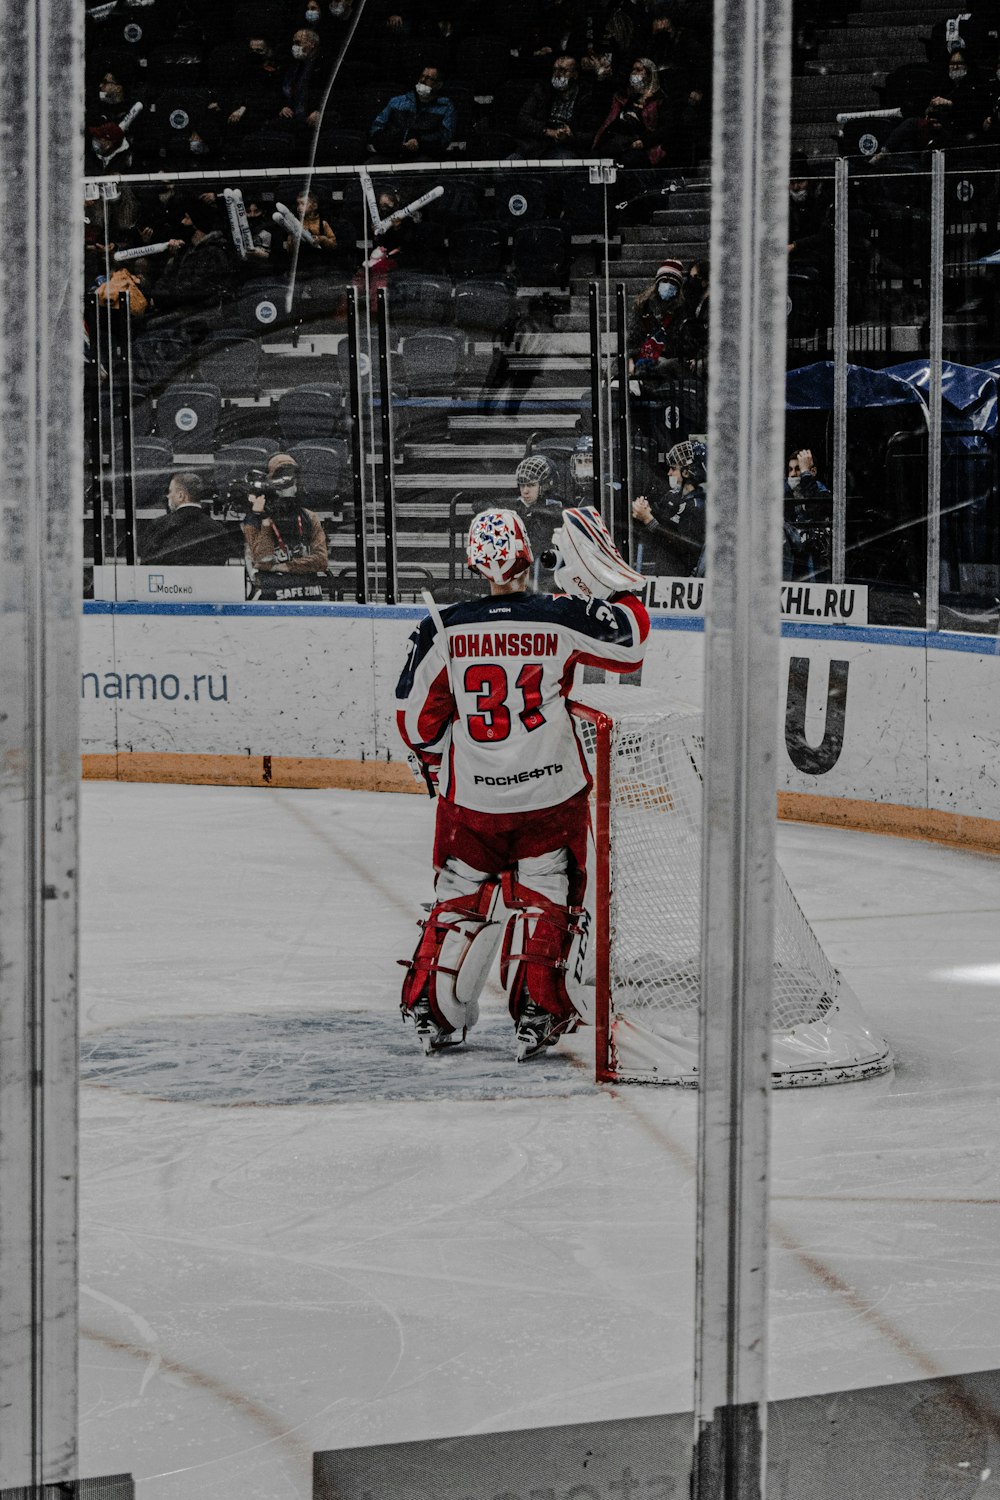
x=537 y=469
x=498 y=546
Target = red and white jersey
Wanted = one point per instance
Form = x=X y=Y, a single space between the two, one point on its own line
x=498 y=717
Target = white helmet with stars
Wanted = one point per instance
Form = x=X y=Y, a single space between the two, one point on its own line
x=498 y=545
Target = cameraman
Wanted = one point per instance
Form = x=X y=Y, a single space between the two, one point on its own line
x=281 y=536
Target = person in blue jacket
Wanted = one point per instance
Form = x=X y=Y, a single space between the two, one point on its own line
x=419 y=124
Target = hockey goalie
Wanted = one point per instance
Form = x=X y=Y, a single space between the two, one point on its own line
x=483 y=703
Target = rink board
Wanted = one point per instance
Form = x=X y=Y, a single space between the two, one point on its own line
x=896 y=730
x=897 y=1442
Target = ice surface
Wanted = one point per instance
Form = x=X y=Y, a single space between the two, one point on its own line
x=298 y=1233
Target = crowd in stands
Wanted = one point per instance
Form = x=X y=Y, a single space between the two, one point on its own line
x=173 y=85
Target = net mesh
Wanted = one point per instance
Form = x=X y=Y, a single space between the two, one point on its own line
x=654 y=921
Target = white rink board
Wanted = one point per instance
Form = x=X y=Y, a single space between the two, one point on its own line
x=920 y=722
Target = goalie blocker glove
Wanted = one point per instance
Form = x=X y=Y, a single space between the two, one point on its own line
x=586 y=561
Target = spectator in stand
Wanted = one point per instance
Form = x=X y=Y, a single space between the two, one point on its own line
x=560 y=27
x=810 y=224
x=671 y=529
x=965 y=87
x=557 y=118
x=281 y=536
x=110 y=146
x=685 y=64
x=627 y=30
x=417 y=125
x=806 y=535
x=930 y=131
x=301 y=86
x=598 y=69
x=668 y=331
x=255 y=97
x=199 y=270
x=186 y=536
x=383 y=43
x=314 y=253
x=115 y=98
x=639 y=122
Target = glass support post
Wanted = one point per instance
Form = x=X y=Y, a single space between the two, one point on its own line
x=936 y=352
x=595 y=393
x=750 y=147
x=840 y=336
x=388 y=456
x=355 y=403
x=41 y=430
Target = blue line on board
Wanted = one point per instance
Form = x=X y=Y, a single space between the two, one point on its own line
x=869 y=635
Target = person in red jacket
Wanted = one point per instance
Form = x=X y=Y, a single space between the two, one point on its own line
x=483 y=702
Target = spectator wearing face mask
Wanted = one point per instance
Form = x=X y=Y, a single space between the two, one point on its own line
x=810 y=224
x=640 y=120
x=417 y=125
x=659 y=344
x=557 y=118
x=199 y=271
x=966 y=88
x=281 y=536
x=254 y=96
x=301 y=85
x=110 y=149
x=806 y=533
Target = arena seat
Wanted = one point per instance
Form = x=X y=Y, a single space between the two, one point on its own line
x=430 y=362
x=230 y=360
x=311 y=411
x=542 y=254
x=485 y=305
x=326 y=473
x=476 y=250
x=188 y=415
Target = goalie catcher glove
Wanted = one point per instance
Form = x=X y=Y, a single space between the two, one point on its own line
x=587 y=563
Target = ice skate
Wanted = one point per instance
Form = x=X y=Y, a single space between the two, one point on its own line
x=431 y=1036
x=537 y=1029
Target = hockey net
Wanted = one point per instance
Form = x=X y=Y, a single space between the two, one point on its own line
x=645 y=893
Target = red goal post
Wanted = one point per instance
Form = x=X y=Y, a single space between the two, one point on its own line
x=640 y=985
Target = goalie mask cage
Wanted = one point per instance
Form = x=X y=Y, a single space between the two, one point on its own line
x=645 y=895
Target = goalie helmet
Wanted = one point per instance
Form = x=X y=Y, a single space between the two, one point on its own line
x=587 y=562
x=498 y=546
x=537 y=469
x=692 y=460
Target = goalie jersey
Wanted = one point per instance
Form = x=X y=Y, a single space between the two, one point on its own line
x=498 y=719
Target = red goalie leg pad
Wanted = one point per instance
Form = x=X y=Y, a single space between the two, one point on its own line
x=543 y=934
x=422 y=968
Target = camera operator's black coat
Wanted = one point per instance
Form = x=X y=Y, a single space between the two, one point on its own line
x=187 y=538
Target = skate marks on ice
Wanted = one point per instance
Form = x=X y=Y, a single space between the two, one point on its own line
x=323 y=1058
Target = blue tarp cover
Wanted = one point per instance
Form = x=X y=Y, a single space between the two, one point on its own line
x=810 y=388
x=968 y=392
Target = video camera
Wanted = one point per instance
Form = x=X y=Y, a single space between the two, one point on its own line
x=280 y=492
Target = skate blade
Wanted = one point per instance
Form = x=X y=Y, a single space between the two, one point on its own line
x=437 y=1042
